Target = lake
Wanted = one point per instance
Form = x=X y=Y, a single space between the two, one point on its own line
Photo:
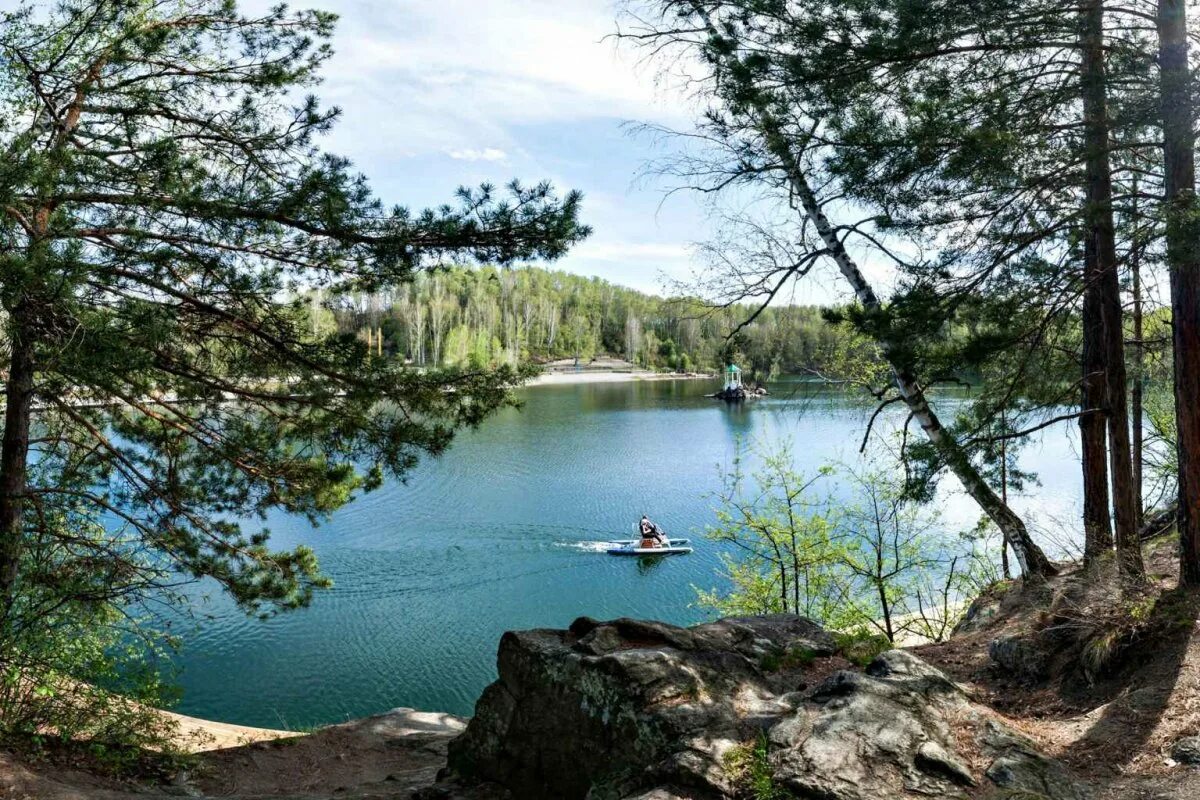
x=501 y=533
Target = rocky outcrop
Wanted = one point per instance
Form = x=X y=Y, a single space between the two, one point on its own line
x=593 y=708
x=740 y=393
x=1022 y=657
x=629 y=709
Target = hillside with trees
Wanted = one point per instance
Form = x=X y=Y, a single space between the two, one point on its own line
x=490 y=316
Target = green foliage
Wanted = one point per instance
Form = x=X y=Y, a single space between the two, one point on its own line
x=926 y=143
x=784 y=544
x=78 y=667
x=861 y=646
x=165 y=195
x=874 y=563
x=489 y=316
x=749 y=767
x=791 y=658
x=1162 y=435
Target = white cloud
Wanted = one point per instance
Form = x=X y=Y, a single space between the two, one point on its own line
x=618 y=251
x=470 y=154
x=418 y=77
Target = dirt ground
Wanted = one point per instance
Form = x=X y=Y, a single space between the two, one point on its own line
x=1116 y=727
x=389 y=755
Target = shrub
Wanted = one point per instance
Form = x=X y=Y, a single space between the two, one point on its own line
x=791 y=658
x=80 y=670
x=861 y=646
x=749 y=768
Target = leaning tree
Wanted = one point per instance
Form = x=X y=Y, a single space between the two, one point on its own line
x=776 y=86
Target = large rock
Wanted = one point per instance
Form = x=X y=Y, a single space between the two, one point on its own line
x=593 y=708
x=1021 y=657
x=648 y=711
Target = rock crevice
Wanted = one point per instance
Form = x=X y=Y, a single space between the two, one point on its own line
x=632 y=709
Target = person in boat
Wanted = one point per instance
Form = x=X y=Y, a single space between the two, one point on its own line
x=652 y=535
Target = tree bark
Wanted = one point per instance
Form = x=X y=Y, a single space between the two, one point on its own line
x=1136 y=400
x=14 y=454
x=1097 y=521
x=1030 y=557
x=1183 y=262
x=1005 y=570
x=1103 y=278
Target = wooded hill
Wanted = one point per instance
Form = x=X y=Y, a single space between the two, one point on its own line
x=488 y=316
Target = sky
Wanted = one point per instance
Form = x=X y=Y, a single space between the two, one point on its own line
x=437 y=94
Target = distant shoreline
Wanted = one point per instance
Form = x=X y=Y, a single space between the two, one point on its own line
x=569 y=378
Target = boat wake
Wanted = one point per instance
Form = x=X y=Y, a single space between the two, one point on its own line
x=587 y=547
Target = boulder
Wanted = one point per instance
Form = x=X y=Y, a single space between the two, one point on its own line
x=600 y=704
x=1187 y=750
x=1021 y=657
x=645 y=711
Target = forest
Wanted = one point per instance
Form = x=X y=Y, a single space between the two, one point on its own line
x=488 y=316
x=1028 y=173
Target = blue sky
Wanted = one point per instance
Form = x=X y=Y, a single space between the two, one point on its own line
x=437 y=94
x=440 y=93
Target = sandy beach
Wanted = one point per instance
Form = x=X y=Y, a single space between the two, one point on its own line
x=199 y=735
x=567 y=378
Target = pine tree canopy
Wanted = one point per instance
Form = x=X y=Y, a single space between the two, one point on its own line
x=163 y=201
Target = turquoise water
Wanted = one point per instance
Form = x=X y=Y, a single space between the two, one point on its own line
x=501 y=533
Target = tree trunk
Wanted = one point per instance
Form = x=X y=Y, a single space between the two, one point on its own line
x=14 y=453
x=881 y=589
x=1030 y=557
x=1097 y=522
x=1183 y=261
x=1136 y=402
x=1104 y=279
x=1005 y=570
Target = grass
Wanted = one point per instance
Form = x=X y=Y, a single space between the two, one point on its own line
x=749 y=768
x=861 y=647
x=791 y=658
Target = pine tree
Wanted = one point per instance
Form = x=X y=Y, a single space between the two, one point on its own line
x=777 y=111
x=1177 y=92
x=163 y=192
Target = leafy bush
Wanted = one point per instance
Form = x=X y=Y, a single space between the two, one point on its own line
x=875 y=560
x=861 y=646
x=79 y=670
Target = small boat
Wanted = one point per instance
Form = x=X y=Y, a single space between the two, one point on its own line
x=629 y=547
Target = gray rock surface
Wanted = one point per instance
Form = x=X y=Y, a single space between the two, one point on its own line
x=1187 y=750
x=1020 y=657
x=647 y=711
